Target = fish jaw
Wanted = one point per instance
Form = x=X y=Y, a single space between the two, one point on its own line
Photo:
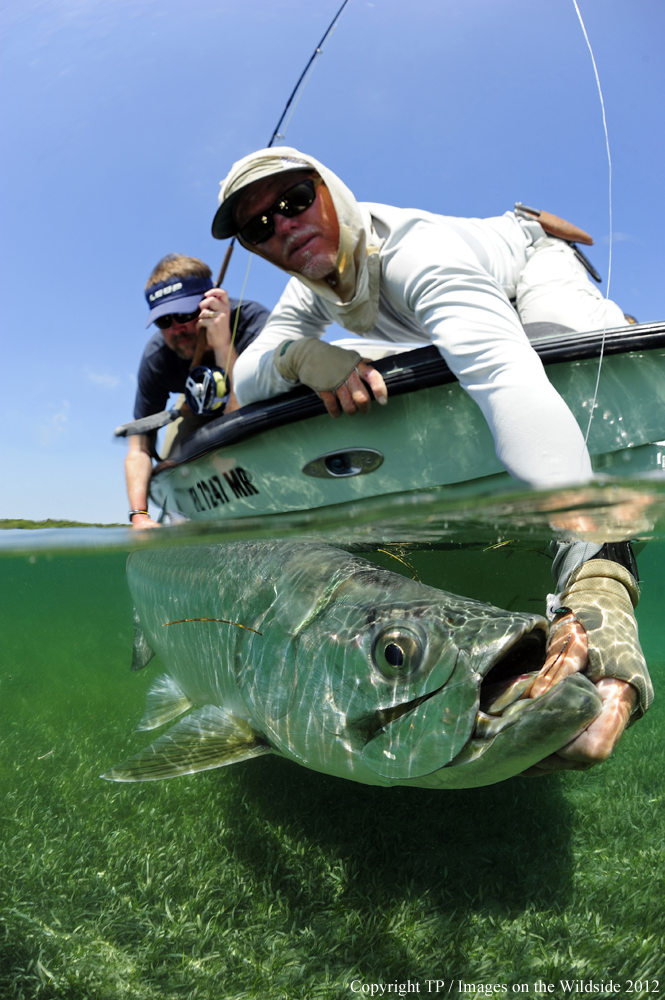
x=435 y=730
x=542 y=726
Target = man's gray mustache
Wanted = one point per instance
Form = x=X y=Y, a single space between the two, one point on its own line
x=299 y=237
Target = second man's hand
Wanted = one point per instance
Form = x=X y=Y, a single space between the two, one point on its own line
x=141 y=521
x=215 y=319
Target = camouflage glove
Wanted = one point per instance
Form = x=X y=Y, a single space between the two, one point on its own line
x=602 y=595
x=315 y=363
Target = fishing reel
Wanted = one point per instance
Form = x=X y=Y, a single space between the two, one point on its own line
x=206 y=390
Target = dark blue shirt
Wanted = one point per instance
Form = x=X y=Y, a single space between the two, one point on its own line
x=161 y=370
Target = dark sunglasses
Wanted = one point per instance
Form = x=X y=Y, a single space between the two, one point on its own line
x=291 y=203
x=164 y=322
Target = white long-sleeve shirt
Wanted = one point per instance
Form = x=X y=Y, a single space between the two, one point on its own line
x=449 y=282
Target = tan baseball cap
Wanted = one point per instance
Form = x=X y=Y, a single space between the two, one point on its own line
x=256 y=166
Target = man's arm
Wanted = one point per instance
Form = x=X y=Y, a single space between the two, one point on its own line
x=300 y=315
x=138 y=469
x=295 y=316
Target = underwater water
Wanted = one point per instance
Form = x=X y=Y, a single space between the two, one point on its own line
x=266 y=880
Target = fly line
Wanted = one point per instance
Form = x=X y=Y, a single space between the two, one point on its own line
x=609 y=165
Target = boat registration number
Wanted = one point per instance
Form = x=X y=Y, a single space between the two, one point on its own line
x=206 y=494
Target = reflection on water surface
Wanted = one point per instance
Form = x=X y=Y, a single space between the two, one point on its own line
x=471 y=513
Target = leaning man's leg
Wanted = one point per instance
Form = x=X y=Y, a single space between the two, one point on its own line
x=554 y=288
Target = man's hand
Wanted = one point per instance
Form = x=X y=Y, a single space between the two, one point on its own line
x=352 y=396
x=598 y=741
x=144 y=521
x=567 y=654
x=335 y=373
x=215 y=319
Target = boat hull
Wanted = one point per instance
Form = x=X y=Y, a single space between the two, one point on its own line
x=426 y=437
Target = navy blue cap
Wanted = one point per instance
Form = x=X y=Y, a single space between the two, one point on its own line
x=175 y=295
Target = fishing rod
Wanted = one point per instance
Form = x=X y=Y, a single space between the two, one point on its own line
x=157 y=420
x=276 y=134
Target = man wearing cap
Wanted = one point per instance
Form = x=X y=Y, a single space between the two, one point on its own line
x=408 y=276
x=182 y=299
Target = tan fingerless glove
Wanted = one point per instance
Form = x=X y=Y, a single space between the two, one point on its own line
x=602 y=595
x=315 y=363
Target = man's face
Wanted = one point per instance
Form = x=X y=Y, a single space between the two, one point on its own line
x=307 y=243
x=181 y=338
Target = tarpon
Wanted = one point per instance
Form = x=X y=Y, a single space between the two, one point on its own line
x=317 y=655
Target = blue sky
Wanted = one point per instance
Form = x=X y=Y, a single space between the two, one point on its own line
x=120 y=117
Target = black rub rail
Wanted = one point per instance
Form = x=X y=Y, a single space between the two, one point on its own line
x=422 y=368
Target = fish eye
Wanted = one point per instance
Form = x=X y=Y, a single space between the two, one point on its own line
x=397 y=653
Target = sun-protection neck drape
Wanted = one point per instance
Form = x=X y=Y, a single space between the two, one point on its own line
x=354 y=301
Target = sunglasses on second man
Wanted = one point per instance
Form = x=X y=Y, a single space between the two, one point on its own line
x=164 y=322
x=290 y=203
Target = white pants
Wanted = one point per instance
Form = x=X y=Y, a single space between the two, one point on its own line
x=554 y=288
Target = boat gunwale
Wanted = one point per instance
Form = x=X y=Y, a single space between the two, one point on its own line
x=407 y=372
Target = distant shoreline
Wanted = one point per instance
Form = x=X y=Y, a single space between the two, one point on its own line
x=19 y=522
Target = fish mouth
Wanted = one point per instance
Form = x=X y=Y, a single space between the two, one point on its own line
x=505 y=690
x=502 y=694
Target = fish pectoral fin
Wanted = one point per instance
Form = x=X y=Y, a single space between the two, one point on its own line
x=205 y=739
x=165 y=701
x=142 y=653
